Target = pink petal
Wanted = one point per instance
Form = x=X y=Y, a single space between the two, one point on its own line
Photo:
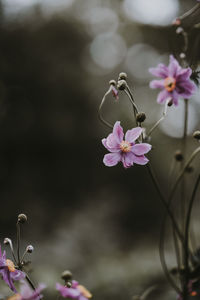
x=133 y=134
x=110 y=144
x=160 y=71
x=118 y=132
x=111 y=159
x=140 y=149
x=175 y=97
x=174 y=67
x=157 y=84
x=163 y=96
x=184 y=74
x=140 y=160
x=128 y=159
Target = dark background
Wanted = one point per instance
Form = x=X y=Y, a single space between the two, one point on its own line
x=101 y=223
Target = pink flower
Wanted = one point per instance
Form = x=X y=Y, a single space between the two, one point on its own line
x=175 y=82
x=76 y=291
x=125 y=150
x=26 y=293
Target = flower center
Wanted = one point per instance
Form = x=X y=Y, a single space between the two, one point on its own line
x=170 y=84
x=125 y=146
x=15 y=297
x=10 y=265
x=84 y=291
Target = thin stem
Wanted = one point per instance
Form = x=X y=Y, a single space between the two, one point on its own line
x=148 y=291
x=30 y=282
x=162 y=257
x=188 y=225
x=25 y=252
x=100 y=108
x=185 y=118
x=7 y=240
x=18 y=242
x=164 y=201
x=132 y=102
x=160 y=120
x=132 y=99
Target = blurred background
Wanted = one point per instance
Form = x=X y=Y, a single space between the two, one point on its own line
x=56 y=59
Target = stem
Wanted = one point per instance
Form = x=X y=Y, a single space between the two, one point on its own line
x=132 y=102
x=30 y=282
x=185 y=118
x=18 y=242
x=187 y=228
x=11 y=248
x=160 y=120
x=164 y=201
x=100 y=108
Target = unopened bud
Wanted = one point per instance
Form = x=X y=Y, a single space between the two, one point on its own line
x=196 y=135
x=176 y=22
x=189 y=169
x=6 y=241
x=179 y=30
x=68 y=284
x=121 y=85
x=122 y=76
x=182 y=55
x=170 y=103
x=178 y=155
x=112 y=82
x=66 y=275
x=22 y=218
x=29 y=249
x=140 y=117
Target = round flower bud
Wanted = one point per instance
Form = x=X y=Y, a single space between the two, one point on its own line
x=170 y=103
x=196 y=135
x=66 y=275
x=68 y=284
x=178 y=155
x=6 y=241
x=123 y=76
x=182 y=55
x=112 y=82
x=121 y=85
x=179 y=30
x=140 y=117
x=29 y=249
x=22 y=218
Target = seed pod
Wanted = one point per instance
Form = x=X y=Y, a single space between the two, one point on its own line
x=178 y=155
x=140 y=117
x=112 y=82
x=123 y=76
x=29 y=248
x=66 y=275
x=22 y=218
x=121 y=85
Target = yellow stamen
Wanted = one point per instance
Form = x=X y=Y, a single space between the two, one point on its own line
x=170 y=84
x=10 y=265
x=84 y=291
x=15 y=297
x=125 y=146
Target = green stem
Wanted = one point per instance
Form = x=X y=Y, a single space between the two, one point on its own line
x=100 y=108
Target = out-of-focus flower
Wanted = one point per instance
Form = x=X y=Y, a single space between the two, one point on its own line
x=125 y=150
x=26 y=293
x=8 y=272
x=76 y=291
x=175 y=82
x=115 y=92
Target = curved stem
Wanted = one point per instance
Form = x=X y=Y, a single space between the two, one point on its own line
x=160 y=120
x=100 y=108
x=18 y=242
x=188 y=225
x=7 y=240
x=162 y=257
x=30 y=282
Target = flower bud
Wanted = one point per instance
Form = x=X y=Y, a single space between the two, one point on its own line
x=170 y=103
x=121 y=85
x=29 y=249
x=122 y=76
x=112 y=82
x=179 y=30
x=189 y=169
x=182 y=55
x=66 y=275
x=140 y=117
x=68 y=284
x=22 y=218
x=178 y=155
x=6 y=241
x=196 y=135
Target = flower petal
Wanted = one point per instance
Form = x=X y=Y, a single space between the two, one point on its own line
x=173 y=67
x=111 y=159
x=184 y=74
x=133 y=134
x=17 y=275
x=140 y=149
x=111 y=144
x=140 y=160
x=163 y=96
x=157 y=84
x=118 y=132
x=175 y=97
x=160 y=71
x=68 y=292
x=128 y=159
